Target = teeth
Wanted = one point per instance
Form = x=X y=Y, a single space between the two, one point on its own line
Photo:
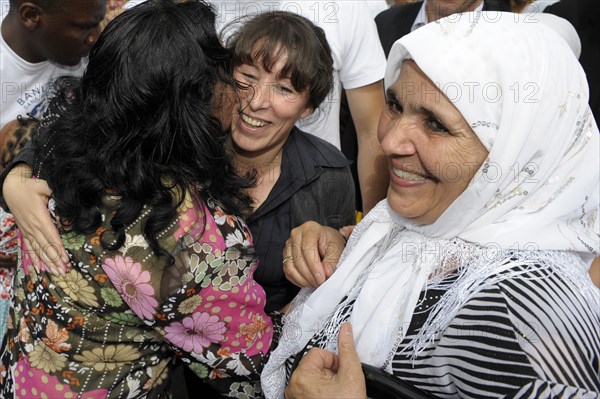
x=407 y=175
x=252 y=122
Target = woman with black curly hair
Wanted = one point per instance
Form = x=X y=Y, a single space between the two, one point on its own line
x=144 y=196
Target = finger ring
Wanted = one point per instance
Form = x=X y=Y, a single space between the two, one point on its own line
x=286 y=259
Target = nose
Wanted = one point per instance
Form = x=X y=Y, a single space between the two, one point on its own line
x=397 y=134
x=260 y=96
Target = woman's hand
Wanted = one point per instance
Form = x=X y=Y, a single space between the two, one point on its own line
x=322 y=374
x=27 y=199
x=311 y=254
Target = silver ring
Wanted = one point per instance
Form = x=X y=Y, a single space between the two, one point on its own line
x=287 y=258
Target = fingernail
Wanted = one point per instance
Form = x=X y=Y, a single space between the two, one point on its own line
x=319 y=277
x=346 y=328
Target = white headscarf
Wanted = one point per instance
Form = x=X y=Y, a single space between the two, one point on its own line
x=534 y=201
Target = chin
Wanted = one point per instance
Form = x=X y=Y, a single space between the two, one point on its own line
x=71 y=62
x=404 y=210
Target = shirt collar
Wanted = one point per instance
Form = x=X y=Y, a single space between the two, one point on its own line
x=421 y=18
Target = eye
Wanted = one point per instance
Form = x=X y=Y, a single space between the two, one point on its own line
x=436 y=126
x=242 y=85
x=248 y=78
x=393 y=106
x=284 y=89
x=244 y=81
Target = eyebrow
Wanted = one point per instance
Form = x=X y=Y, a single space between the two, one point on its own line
x=392 y=95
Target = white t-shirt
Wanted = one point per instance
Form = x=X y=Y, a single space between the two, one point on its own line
x=358 y=58
x=24 y=85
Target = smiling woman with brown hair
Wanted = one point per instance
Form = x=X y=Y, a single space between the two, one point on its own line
x=283 y=66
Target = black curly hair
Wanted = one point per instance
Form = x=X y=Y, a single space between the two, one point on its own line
x=140 y=122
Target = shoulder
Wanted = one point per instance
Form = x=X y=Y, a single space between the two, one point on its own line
x=316 y=150
x=536 y=299
x=396 y=22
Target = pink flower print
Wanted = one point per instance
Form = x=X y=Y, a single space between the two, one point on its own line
x=133 y=285
x=196 y=332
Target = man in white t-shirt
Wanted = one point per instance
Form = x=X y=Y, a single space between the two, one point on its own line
x=41 y=40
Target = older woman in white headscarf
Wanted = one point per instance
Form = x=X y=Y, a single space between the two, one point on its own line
x=470 y=280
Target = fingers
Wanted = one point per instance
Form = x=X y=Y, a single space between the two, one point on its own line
x=346 y=231
x=311 y=254
x=28 y=199
x=320 y=359
x=303 y=266
x=331 y=245
x=295 y=277
x=349 y=362
x=322 y=374
x=313 y=376
x=45 y=257
x=298 y=270
x=35 y=260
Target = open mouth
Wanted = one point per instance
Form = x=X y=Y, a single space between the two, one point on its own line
x=252 y=122
x=406 y=175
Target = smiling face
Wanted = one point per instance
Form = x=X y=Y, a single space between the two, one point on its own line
x=433 y=152
x=269 y=106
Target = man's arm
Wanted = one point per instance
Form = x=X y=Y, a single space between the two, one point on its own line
x=366 y=104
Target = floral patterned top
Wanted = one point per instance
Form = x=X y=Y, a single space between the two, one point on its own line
x=114 y=324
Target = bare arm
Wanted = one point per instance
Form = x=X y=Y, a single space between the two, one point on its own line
x=27 y=199
x=366 y=104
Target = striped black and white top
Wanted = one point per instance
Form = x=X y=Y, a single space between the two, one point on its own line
x=531 y=336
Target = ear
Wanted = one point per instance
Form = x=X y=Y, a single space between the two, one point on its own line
x=30 y=15
x=307 y=111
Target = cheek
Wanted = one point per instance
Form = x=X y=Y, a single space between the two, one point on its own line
x=461 y=160
x=287 y=111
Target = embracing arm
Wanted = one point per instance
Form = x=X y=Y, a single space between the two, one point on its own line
x=27 y=198
x=366 y=104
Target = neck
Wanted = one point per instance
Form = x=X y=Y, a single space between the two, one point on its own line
x=435 y=11
x=16 y=37
x=262 y=162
